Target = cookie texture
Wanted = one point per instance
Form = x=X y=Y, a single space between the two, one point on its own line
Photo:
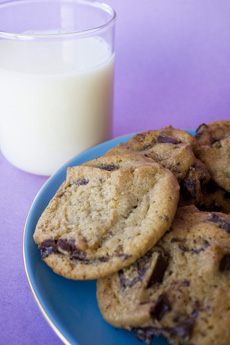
x=214 y=150
x=103 y=218
x=180 y=289
x=171 y=147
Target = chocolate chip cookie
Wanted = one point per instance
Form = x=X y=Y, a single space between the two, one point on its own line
x=103 y=218
x=214 y=150
x=180 y=289
x=171 y=147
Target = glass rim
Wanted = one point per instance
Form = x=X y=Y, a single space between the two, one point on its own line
x=66 y=35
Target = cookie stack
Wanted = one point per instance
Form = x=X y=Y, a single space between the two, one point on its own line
x=142 y=220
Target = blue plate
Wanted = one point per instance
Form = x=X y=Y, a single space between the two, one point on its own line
x=69 y=306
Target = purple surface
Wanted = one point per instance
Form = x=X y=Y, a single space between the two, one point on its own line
x=172 y=67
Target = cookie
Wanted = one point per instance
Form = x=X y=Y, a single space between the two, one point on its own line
x=171 y=147
x=191 y=187
x=180 y=289
x=103 y=218
x=215 y=198
x=214 y=150
x=207 y=134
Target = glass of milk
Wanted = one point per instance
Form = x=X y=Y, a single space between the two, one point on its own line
x=56 y=80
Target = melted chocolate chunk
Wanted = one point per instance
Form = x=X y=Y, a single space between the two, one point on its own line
x=79 y=182
x=66 y=245
x=104 y=259
x=47 y=247
x=163 y=138
x=78 y=255
x=200 y=130
x=55 y=246
x=182 y=330
x=188 y=188
x=183 y=248
x=108 y=167
x=122 y=279
x=158 y=271
x=140 y=265
x=225 y=263
x=144 y=334
x=221 y=222
x=161 y=307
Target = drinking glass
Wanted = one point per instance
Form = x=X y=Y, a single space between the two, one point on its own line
x=56 y=80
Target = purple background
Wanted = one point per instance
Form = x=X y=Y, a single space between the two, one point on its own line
x=172 y=67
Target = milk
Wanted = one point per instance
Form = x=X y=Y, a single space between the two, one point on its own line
x=56 y=100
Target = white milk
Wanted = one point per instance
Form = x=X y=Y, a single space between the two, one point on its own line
x=56 y=100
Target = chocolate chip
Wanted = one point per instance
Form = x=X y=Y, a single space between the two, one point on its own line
x=122 y=279
x=61 y=194
x=55 y=246
x=163 y=138
x=104 y=259
x=66 y=245
x=158 y=271
x=197 y=251
x=223 y=224
x=78 y=255
x=144 y=334
x=182 y=330
x=47 y=247
x=140 y=268
x=175 y=239
x=225 y=263
x=200 y=130
x=188 y=188
x=185 y=283
x=108 y=167
x=79 y=182
x=161 y=307
x=182 y=248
